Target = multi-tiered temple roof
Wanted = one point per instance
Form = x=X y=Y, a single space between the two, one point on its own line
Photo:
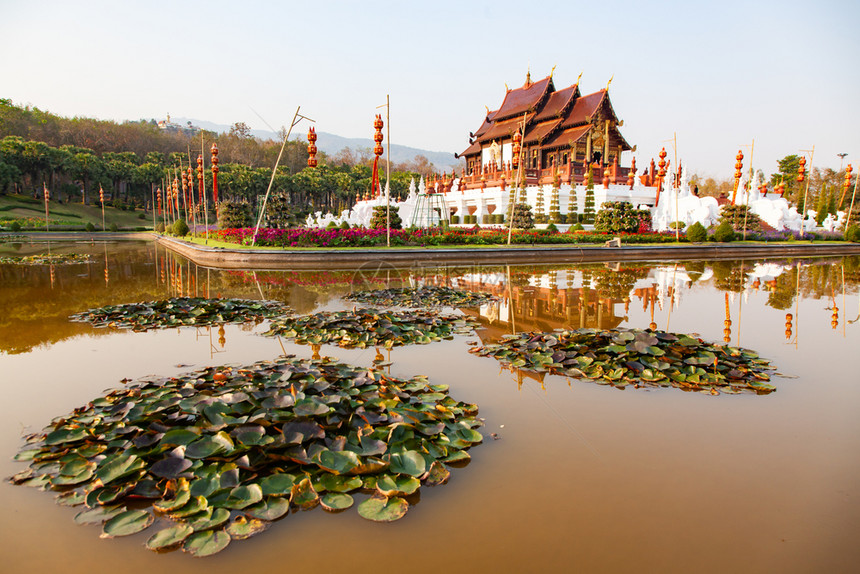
x=562 y=129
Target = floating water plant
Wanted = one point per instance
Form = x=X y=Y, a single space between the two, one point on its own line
x=635 y=358
x=370 y=327
x=181 y=311
x=221 y=453
x=429 y=296
x=47 y=259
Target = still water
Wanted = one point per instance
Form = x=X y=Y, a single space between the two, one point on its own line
x=582 y=477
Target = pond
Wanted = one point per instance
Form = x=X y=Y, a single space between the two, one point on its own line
x=571 y=475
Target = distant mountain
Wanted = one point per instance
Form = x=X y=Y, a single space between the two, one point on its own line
x=331 y=144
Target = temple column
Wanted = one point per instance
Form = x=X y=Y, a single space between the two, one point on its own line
x=588 y=149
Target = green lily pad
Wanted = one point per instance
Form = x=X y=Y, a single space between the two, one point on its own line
x=126 y=523
x=382 y=509
x=242 y=528
x=409 y=462
x=169 y=537
x=335 y=501
x=437 y=474
x=397 y=485
x=206 y=543
x=209 y=518
x=98 y=514
x=303 y=494
x=243 y=496
x=269 y=509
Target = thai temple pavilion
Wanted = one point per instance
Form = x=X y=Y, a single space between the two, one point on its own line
x=563 y=130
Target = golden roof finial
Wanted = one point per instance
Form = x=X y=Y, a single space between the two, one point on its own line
x=529 y=76
x=507 y=89
x=551 y=72
x=579 y=78
x=487 y=108
x=609 y=82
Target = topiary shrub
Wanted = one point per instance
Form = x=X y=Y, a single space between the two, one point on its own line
x=697 y=233
x=576 y=227
x=377 y=220
x=737 y=214
x=159 y=228
x=523 y=216
x=552 y=228
x=853 y=234
x=141 y=216
x=617 y=217
x=15 y=226
x=344 y=225
x=233 y=214
x=90 y=227
x=114 y=227
x=724 y=232
x=331 y=225
x=455 y=219
x=180 y=228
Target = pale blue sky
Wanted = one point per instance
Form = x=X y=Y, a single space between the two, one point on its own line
x=716 y=73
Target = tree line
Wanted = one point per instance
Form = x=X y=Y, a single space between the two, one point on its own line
x=75 y=157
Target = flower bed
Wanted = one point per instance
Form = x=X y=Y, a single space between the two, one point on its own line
x=360 y=237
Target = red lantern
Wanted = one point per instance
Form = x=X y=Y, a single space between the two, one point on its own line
x=215 y=173
x=801 y=170
x=312 y=148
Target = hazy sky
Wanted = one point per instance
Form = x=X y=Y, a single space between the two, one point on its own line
x=717 y=74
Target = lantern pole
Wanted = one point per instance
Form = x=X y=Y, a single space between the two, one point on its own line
x=806 y=191
x=47 y=195
x=388 y=173
x=853 y=195
x=214 y=151
x=102 y=200
x=296 y=119
x=517 y=179
x=202 y=186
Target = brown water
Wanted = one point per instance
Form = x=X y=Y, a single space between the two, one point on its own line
x=583 y=477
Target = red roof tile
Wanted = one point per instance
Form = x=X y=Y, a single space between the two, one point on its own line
x=557 y=103
x=504 y=129
x=471 y=150
x=567 y=137
x=537 y=132
x=523 y=99
x=584 y=107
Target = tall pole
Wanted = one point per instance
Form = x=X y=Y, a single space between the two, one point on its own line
x=388 y=175
x=517 y=179
x=152 y=195
x=47 y=194
x=748 y=185
x=296 y=119
x=677 y=185
x=806 y=192
x=203 y=188
x=853 y=195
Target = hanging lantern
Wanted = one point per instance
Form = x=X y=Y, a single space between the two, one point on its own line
x=215 y=173
x=516 y=148
x=312 y=148
x=788 y=319
x=200 y=175
x=801 y=170
x=101 y=195
x=847 y=183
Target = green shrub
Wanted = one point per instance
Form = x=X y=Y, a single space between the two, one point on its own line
x=455 y=219
x=344 y=225
x=576 y=227
x=114 y=227
x=724 y=232
x=552 y=228
x=617 y=217
x=90 y=227
x=853 y=234
x=15 y=226
x=159 y=228
x=180 y=228
x=523 y=216
x=141 y=216
x=676 y=225
x=331 y=225
x=233 y=214
x=377 y=220
x=697 y=233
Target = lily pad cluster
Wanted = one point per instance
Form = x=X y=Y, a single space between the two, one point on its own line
x=369 y=327
x=428 y=296
x=181 y=311
x=639 y=358
x=47 y=259
x=221 y=453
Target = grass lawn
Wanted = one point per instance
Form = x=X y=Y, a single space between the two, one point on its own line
x=30 y=213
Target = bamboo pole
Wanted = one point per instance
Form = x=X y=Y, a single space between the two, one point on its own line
x=203 y=188
x=517 y=180
x=748 y=185
x=853 y=195
x=293 y=124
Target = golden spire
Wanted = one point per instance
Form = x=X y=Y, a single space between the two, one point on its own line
x=551 y=72
x=579 y=78
x=609 y=82
x=488 y=109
